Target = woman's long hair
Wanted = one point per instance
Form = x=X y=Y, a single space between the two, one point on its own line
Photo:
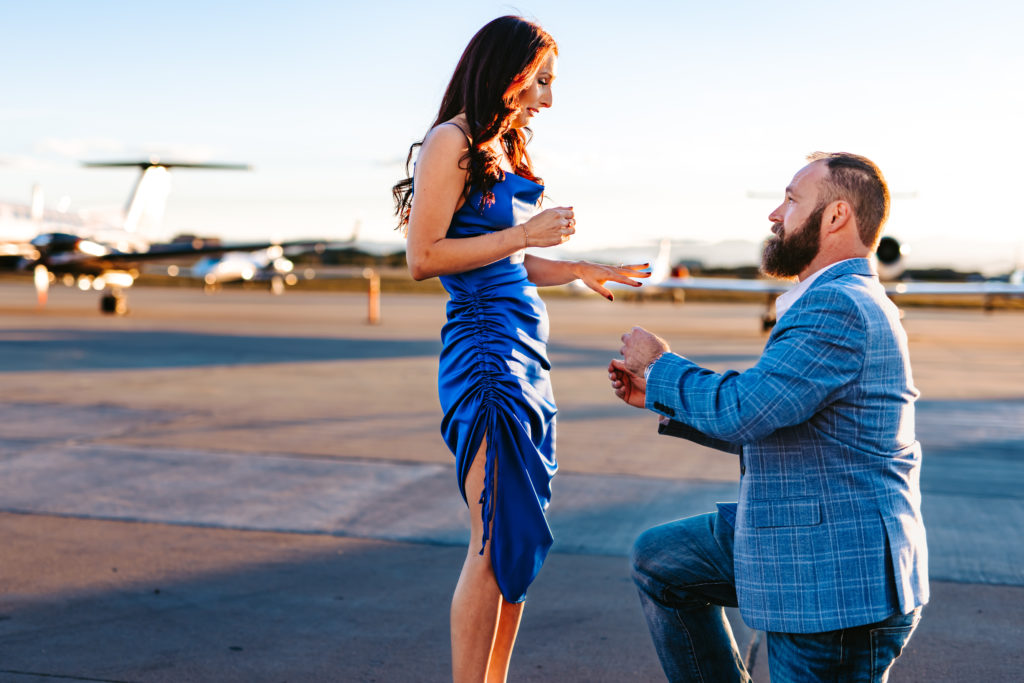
x=493 y=70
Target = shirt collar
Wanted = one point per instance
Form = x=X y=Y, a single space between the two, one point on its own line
x=786 y=300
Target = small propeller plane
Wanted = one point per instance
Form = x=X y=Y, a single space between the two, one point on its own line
x=104 y=255
x=272 y=265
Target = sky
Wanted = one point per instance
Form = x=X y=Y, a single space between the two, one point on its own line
x=671 y=119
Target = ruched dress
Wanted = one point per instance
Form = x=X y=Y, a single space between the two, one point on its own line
x=493 y=382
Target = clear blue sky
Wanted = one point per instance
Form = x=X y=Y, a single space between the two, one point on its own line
x=666 y=113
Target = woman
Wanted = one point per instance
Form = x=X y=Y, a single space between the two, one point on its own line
x=474 y=212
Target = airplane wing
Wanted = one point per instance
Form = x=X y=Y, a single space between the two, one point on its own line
x=716 y=284
x=60 y=250
x=772 y=288
x=200 y=247
x=986 y=288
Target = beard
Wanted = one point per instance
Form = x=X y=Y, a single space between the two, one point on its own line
x=787 y=257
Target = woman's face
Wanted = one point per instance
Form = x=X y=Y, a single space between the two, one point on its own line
x=537 y=93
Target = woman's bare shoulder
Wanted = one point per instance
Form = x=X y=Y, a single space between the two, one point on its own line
x=451 y=133
x=458 y=121
x=445 y=143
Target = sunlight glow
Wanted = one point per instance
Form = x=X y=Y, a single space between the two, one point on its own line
x=666 y=139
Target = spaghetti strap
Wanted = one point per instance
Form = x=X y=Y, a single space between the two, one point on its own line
x=449 y=123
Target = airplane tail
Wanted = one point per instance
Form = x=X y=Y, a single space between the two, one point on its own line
x=661 y=268
x=38 y=204
x=145 y=209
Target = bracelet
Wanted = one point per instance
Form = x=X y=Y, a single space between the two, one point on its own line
x=526 y=237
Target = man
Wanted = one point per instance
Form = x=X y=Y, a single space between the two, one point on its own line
x=825 y=550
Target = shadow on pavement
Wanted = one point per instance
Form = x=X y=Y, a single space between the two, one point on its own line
x=69 y=350
x=141 y=607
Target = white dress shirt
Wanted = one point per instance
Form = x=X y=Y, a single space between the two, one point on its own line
x=786 y=300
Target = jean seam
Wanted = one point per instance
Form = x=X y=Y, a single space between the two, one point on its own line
x=884 y=630
x=689 y=639
x=871 y=653
x=842 y=647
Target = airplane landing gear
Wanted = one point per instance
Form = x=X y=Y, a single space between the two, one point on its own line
x=277 y=285
x=113 y=303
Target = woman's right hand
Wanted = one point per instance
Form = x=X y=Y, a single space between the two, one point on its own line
x=550 y=227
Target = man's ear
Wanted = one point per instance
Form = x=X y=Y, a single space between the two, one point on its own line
x=836 y=216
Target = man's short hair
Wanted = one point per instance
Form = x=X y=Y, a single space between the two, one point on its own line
x=859 y=181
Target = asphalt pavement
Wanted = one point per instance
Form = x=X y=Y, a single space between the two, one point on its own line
x=246 y=488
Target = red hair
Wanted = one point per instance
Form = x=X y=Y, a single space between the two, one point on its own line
x=495 y=67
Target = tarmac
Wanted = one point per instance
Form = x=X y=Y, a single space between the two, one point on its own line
x=241 y=487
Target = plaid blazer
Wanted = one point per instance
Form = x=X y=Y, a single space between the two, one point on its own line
x=828 y=524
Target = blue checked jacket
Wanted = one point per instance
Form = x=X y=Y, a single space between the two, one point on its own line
x=828 y=524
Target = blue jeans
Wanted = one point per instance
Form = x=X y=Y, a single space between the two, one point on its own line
x=684 y=571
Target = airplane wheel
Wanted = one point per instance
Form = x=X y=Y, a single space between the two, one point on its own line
x=113 y=305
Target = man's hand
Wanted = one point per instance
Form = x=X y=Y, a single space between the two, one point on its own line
x=640 y=348
x=627 y=386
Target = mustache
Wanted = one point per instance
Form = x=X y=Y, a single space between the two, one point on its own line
x=777 y=229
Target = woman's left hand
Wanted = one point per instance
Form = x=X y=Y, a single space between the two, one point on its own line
x=594 y=275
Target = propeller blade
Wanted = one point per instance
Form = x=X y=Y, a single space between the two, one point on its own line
x=41 y=276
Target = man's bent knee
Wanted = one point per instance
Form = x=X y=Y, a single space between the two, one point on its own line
x=644 y=548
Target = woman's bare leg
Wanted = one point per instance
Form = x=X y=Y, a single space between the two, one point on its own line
x=509 y=615
x=483 y=625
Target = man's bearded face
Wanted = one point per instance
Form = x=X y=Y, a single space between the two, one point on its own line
x=788 y=256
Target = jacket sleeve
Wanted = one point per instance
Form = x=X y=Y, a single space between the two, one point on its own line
x=812 y=356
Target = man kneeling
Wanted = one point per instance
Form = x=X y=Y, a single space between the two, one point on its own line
x=825 y=550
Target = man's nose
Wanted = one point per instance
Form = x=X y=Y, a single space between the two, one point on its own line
x=776 y=215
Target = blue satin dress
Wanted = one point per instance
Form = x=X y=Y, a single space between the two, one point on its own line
x=493 y=381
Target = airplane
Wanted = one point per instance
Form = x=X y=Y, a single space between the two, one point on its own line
x=270 y=265
x=889 y=263
x=80 y=249
x=263 y=265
